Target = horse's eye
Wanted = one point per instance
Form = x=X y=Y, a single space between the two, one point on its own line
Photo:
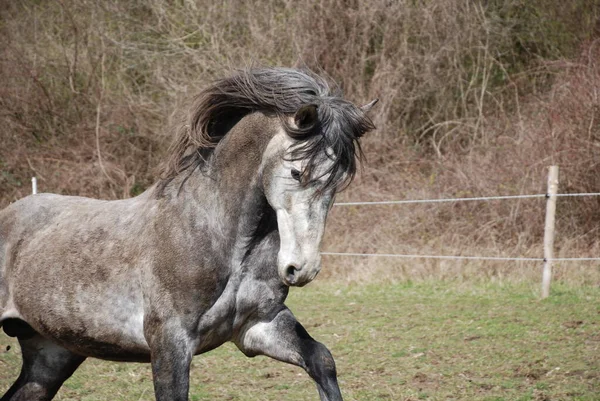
x=296 y=175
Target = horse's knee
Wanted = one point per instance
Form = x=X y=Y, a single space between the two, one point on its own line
x=320 y=362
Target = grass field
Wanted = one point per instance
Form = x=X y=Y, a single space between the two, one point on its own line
x=423 y=341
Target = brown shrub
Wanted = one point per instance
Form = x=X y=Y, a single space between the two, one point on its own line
x=559 y=127
x=476 y=99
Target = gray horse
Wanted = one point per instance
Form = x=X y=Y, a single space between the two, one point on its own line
x=204 y=256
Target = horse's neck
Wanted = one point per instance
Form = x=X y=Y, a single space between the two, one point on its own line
x=225 y=199
x=235 y=167
x=212 y=203
x=221 y=204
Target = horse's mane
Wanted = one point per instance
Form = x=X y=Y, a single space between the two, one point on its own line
x=280 y=92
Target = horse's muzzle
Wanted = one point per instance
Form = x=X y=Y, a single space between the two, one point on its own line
x=295 y=276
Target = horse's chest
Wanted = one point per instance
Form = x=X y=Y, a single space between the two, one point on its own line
x=240 y=304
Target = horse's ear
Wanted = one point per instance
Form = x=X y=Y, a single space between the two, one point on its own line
x=306 y=116
x=367 y=107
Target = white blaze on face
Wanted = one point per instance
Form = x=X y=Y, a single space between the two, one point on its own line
x=300 y=214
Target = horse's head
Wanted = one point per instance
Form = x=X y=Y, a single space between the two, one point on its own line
x=311 y=154
x=303 y=167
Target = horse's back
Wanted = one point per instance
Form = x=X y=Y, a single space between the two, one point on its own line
x=36 y=211
x=23 y=220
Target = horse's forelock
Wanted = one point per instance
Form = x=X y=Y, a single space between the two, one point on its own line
x=341 y=125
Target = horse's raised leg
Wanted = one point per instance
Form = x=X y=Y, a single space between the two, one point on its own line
x=45 y=368
x=284 y=339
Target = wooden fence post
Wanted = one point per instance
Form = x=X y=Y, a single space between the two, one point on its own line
x=549 y=229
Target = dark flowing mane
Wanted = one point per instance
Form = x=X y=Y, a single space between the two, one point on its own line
x=280 y=92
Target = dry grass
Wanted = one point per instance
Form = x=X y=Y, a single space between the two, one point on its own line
x=477 y=98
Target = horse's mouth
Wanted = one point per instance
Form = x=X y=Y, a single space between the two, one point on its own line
x=294 y=283
x=297 y=278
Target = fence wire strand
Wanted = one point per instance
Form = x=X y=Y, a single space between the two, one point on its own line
x=458 y=257
x=433 y=256
x=478 y=198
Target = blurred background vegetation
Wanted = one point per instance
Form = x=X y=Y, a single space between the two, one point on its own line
x=476 y=98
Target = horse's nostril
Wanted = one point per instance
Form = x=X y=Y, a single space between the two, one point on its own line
x=290 y=272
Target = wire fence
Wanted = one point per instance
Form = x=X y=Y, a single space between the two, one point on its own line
x=547 y=259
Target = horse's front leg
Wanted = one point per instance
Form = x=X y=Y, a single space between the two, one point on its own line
x=283 y=338
x=171 y=351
